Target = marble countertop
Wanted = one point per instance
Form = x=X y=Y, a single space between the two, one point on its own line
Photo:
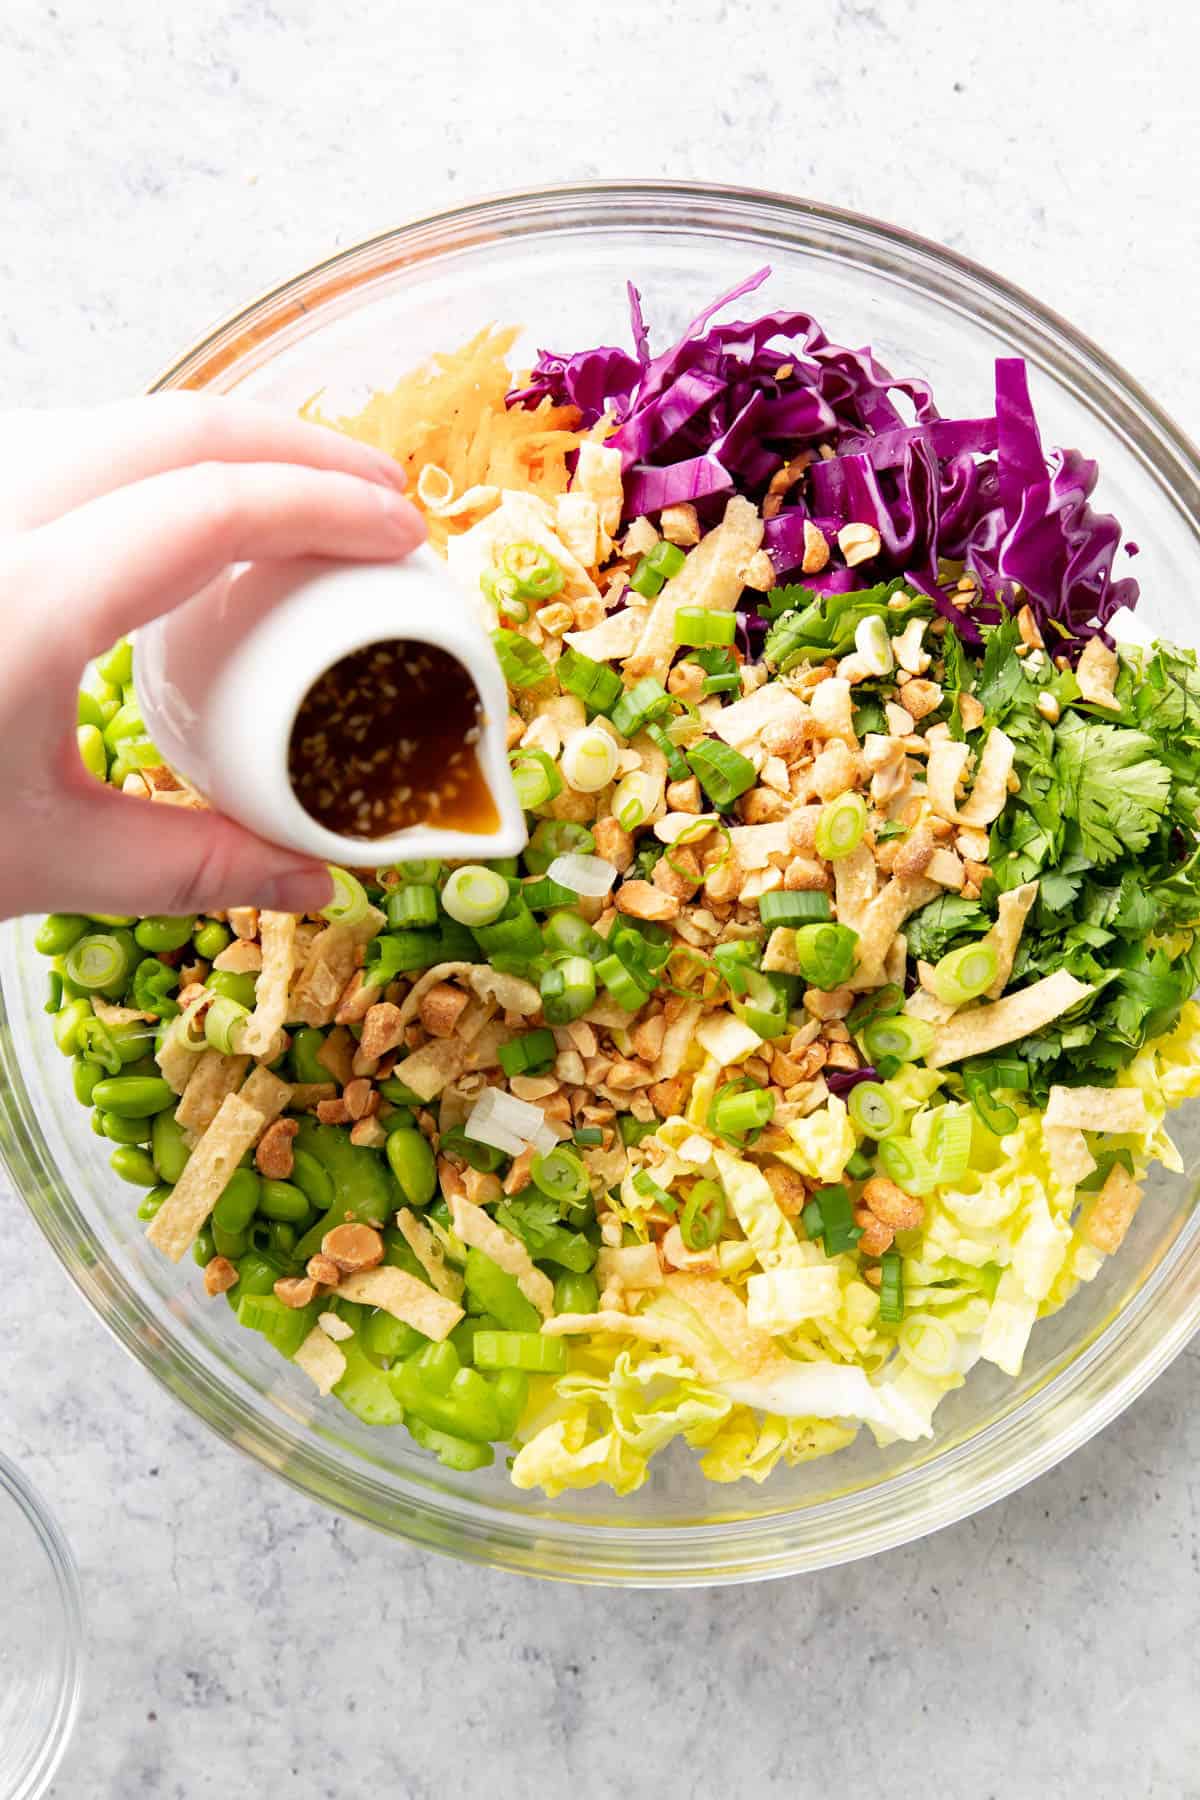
x=159 y=165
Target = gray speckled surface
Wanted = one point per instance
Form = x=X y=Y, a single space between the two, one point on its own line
x=160 y=166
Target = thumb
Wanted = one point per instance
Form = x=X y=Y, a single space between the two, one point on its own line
x=133 y=856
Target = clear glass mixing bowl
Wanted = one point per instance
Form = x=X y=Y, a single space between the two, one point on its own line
x=41 y=1641
x=556 y=262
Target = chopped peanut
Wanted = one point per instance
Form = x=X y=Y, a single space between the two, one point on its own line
x=382 y=1030
x=625 y=1075
x=680 y=524
x=876 y=1236
x=368 y=1133
x=1028 y=628
x=788 y=1188
x=687 y=681
x=361 y=1099
x=296 y=1291
x=441 y=1007
x=273 y=1157
x=678 y=873
x=668 y=1097
x=647 y=1038
x=723 y=879
x=804 y=876
x=482 y=1189
x=519 y=1175
x=219 y=1276
x=353 y=1247
x=834 y=771
x=842 y=1056
x=912 y=856
x=333 y=1112
x=682 y=796
x=613 y=843
x=970 y=711
x=816 y=549
x=761 y=806
x=828 y=1003
x=858 y=543
x=640 y=900
x=922 y=697
x=323 y=1270
x=903 y=1212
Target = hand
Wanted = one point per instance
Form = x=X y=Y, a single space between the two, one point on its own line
x=107 y=519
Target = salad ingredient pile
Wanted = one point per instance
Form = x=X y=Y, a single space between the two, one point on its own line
x=820 y=1039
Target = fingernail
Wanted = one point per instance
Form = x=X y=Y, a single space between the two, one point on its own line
x=304 y=890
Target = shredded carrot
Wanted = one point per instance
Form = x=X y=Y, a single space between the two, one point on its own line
x=449 y=417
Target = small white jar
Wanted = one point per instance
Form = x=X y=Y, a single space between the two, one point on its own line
x=221 y=679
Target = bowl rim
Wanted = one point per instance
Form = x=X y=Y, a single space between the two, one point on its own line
x=716 y=1551
x=38 y=1773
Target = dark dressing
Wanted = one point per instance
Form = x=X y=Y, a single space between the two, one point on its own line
x=388 y=738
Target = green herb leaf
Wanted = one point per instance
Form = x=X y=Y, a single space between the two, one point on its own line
x=1111 y=785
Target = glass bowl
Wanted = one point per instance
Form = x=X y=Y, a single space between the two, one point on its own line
x=556 y=263
x=41 y=1641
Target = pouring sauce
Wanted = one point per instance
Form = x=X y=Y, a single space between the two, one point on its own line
x=388 y=738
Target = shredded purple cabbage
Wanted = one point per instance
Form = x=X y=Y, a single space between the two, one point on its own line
x=840 y=1081
x=727 y=406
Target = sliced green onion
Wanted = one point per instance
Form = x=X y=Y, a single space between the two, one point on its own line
x=544 y=892
x=874 y=1110
x=859 y=1167
x=883 y=1001
x=587 y=1135
x=904 y=1164
x=696 y=625
x=94 y=1040
x=841 y=826
x=838 y=1230
x=873 y=645
x=97 y=961
x=826 y=954
x=677 y=769
x=568 y=989
x=635 y=798
x=929 y=1344
x=474 y=895
x=704 y=1216
x=625 y=989
x=722 y=772
x=535 y=778
x=560 y=1175
x=521 y=663
x=501 y=590
x=783 y=908
x=424 y=872
x=225 y=1024
x=891 y=1288
x=813 y=1220
x=720 y=684
x=949 y=1145
x=749 y=1110
x=533 y=570
x=349 y=903
x=552 y=838
x=639 y=704
x=569 y=934
x=514 y=934
x=597 y=685
x=645 y=1184
x=964 y=974
x=414 y=906
x=764 y=1008
x=589 y=759
x=646 y=580
x=528 y=1055
x=527 y=1350
x=666 y=559
x=983 y=1078
x=632 y=1131
x=898 y=1035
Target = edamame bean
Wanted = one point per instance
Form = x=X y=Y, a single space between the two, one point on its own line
x=398 y=1094
x=281 y=1237
x=58 y=931
x=114 y=921
x=204 y=1248
x=116 y=665
x=133 y=1164
x=211 y=938
x=163 y=933
x=126 y=722
x=152 y=1202
x=238 y=1204
x=280 y=1200
x=402 y=1119
x=236 y=987
x=67 y=1023
x=576 y=1294
x=132 y=1042
x=229 y=1243
x=169 y=1147
x=412 y=1163
x=133 y=1096
x=306 y=1045
x=313 y=1181
x=88 y=710
x=84 y=1077
x=92 y=753
x=125 y=1131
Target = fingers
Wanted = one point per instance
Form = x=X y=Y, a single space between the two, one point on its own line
x=125 y=558
x=143 y=856
x=54 y=461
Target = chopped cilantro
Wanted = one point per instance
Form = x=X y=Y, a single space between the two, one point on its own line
x=1111 y=785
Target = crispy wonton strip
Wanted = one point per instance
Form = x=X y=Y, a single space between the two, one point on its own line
x=745 y=721
x=598 y=475
x=213 y=1076
x=613 y=638
x=630 y=1266
x=321 y=1360
x=175 y=1060
x=331 y=961
x=236 y=1129
x=429 y=1254
x=406 y=1298
x=854 y=885
x=947 y=766
x=676 y=1041
x=1005 y=934
x=710 y=578
x=1097 y=1109
x=266 y=1094
x=428 y=1070
x=1070 y=1158
x=881 y=920
x=1096 y=673
x=977 y=1029
x=1111 y=1213
x=277 y=934
x=477 y=1229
